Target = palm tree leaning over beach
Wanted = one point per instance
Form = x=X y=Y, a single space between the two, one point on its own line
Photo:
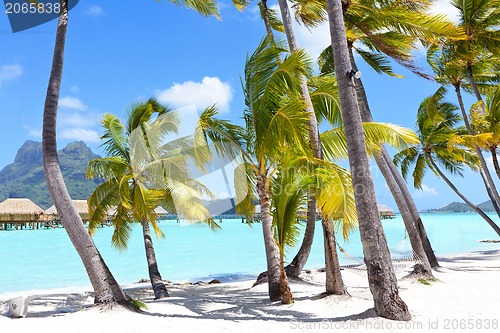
x=479 y=19
x=381 y=277
x=450 y=69
x=437 y=127
x=107 y=291
x=390 y=35
x=140 y=173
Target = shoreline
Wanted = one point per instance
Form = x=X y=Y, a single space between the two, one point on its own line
x=463 y=294
x=227 y=278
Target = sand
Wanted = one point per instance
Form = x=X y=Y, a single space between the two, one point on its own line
x=464 y=298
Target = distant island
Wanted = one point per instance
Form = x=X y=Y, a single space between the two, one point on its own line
x=460 y=207
x=24 y=178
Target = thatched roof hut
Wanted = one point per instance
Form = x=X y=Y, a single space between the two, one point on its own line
x=80 y=205
x=19 y=210
x=162 y=212
x=386 y=212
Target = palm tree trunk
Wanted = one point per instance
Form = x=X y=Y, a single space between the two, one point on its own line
x=483 y=171
x=264 y=13
x=159 y=288
x=314 y=139
x=334 y=282
x=494 y=157
x=423 y=267
x=285 y=292
x=473 y=83
x=431 y=256
x=381 y=277
x=467 y=201
x=295 y=267
x=107 y=290
x=272 y=251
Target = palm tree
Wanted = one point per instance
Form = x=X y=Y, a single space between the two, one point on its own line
x=479 y=20
x=492 y=121
x=380 y=31
x=300 y=259
x=381 y=277
x=450 y=70
x=141 y=172
x=107 y=290
x=436 y=122
x=273 y=120
x=487 y=127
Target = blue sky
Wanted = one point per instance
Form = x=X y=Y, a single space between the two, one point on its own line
x=120 y=54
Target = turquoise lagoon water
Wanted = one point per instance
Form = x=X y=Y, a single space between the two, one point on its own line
x=45 y=259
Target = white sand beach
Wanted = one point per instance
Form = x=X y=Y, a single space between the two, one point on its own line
x=463 y=299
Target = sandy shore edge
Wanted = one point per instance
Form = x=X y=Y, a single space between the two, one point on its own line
x=462 y=298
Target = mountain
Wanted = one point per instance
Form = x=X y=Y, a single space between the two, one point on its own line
x=25 y=177
x=460 y=207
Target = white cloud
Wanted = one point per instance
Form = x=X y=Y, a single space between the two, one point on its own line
x=10 y=72
x=72 y=103
x=426 y=191
x=79 y=120
x=445 y=7
x=211 y=90
x=94 y=11
x=74 y=89
x=79 y=134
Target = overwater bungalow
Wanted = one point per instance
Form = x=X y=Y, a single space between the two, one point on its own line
x=386 y=212
x=80 y=205
x=20 y=213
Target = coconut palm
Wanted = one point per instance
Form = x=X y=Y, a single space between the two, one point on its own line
x=107 y=290
x=437 y=127
x=141 y=172
x=381 y=277
x=289 y=195
x=450 y=69
x=379 y=31
x=487 y=127
x=475 y=57
x=479 y=20
x=492 y=125
x=274 y=120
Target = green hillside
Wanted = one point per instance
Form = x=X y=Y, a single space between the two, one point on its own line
x=24 y=178
x=460 y=207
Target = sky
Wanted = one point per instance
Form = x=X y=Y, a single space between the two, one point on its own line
x=120 y=54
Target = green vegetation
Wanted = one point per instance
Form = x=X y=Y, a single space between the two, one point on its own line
x=24 y=178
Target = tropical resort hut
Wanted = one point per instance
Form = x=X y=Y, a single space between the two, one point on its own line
x=161 y=212
x=20 y=213
x=386 y=212
x=80 y=205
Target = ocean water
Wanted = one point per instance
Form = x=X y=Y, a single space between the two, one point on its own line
x=45 y=259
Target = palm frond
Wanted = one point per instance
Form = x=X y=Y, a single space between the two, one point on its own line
x=204 y=7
